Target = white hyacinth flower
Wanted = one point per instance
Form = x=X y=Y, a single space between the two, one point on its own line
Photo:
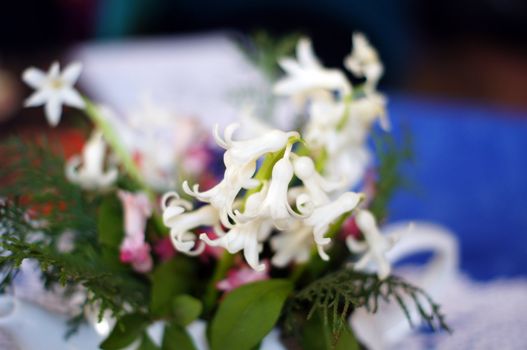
x=307 y=77
x=88 y=170
x=364 y=61
x=292 y=245
x=181 y=222
x=275 y=204
x=54 y=89
x=244 y=236
x=321 y=130
x=374 y=247
x=316 y=186
x=324 y=215
x=240 y=164
x=365 y=111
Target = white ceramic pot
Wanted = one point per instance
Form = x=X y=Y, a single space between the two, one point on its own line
x=388 y=326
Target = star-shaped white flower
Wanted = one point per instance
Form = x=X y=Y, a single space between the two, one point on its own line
x=53 y=89
x=374 y=247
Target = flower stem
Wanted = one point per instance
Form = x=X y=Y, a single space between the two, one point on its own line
x=101 y=123
x=222 y=267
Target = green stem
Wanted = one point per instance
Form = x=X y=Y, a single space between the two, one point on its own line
x=101 y=123
x=222 y=267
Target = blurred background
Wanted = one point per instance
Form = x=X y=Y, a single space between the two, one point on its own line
x=456 y=75
x=462 y=49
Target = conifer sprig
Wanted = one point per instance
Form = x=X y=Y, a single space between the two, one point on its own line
x=336 y=294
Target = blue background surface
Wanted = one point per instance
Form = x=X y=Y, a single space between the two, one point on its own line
x=470 y=166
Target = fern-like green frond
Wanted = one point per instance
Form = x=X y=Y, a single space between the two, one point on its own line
x=336 y=294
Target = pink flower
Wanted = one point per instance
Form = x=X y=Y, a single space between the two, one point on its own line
x=350 y=228
x=137 y=253
x=134 y=250
x=239 y=276
x=196 y=159
x=164 y=248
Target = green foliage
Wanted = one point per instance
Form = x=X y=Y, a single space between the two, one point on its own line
x=337 y=293
x=186 y=309
x=147 y=343
x=168 y=280
x=176 y=337
x=248 y=313
x=34 y=172
x=110 y=222
x=36 y=189
x=317 y=335
x=128 y=329
x=391 y=156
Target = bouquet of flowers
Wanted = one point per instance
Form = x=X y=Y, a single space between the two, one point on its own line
x=249 y=230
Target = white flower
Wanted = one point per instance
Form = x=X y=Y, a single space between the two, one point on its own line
x=365 y=111
x=348 y=154
x=53 y=89
x=321 y=130
x=306 y=77
x=364 y=61
x=181 y=223
x=292 y=245
x=374 y=247
x=244 y=236
x=88 y=171
x=316 y=186
x=240 y=164
x=275 y=203
x=324 y=215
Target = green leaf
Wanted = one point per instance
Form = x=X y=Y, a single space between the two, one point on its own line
x=169 y=279
x=248 y=313
x=177 y=338
x=110 y=222
x=186 y=309
x=316 y=335
x=147 y=344
x=125 y=332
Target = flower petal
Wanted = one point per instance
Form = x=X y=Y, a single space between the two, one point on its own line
x=34 y=77
x=306 y=55
x=54 y=70
x=72 y=72
x=53 y=110
x=37 y=99
x=72 y=98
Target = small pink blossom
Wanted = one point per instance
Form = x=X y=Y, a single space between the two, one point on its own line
x=196 y=159
x=164 y=248
x=239 y=276
x=350 y=228
x=134 y=250
x=136 y=253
